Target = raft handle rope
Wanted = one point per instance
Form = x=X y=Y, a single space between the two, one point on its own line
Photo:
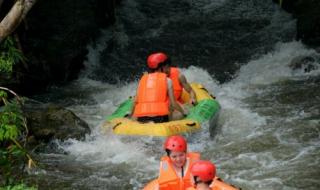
x=203 y=88
x=116 y=125
x=191 y=124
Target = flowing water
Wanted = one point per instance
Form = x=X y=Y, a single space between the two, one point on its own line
x=268 y=132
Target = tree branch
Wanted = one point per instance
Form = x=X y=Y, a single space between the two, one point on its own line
x=12 y=92
x=11 y=20
x=28 y=4
x=14 y=17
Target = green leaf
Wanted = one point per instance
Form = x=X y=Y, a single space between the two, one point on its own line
x=11 y=132
x=16 y=151
x=2 y=131
x=3 y=94
x=10 y=55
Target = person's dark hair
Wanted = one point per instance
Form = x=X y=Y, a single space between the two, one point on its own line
x=196 y=181
x=168 y=152
x=166 y=62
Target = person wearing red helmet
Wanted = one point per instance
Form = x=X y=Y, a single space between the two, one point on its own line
x=179 y=81
x=203 y=174
x=175 y=167
x=155 y=100
x=182 y=170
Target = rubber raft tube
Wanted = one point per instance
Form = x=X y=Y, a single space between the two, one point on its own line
x=206 y=109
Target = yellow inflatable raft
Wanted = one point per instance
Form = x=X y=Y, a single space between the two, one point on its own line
x=206 y=109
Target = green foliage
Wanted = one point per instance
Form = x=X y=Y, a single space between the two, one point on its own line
x=11 y=121
x=9 y=55
x=18 y=187
x=12 y=130
x=8 y=131
x=3 y=94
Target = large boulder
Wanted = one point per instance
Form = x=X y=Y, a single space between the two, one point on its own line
x=49 y=121
x=305 y=63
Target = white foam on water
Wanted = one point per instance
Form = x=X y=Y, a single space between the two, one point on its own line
x=275 y=66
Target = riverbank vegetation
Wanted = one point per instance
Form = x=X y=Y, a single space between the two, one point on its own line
x=13 y=140
x=13 y=125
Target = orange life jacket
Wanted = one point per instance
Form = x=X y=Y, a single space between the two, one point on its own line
x=152 y=98
x=168 y=178
x=177 y=88
x=218 y=184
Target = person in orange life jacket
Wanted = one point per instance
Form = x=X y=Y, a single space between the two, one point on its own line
x=175 y=167
x=179 y=82
x=155 y=100
x=204 y=177
x=203 y=174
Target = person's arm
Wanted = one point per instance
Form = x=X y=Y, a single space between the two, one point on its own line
x=183 y=81
x=173 y=102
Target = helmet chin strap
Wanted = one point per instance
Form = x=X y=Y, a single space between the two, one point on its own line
x=182 y=173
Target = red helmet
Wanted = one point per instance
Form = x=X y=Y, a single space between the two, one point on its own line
x=205 y=170
x=155 y=59
x=176 y=143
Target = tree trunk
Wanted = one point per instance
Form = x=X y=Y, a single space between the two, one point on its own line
x=14 y=17
x=27 y=6
x=1 y=1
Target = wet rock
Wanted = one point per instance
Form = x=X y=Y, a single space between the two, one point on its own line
x=49 y=121
x=307 y=63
